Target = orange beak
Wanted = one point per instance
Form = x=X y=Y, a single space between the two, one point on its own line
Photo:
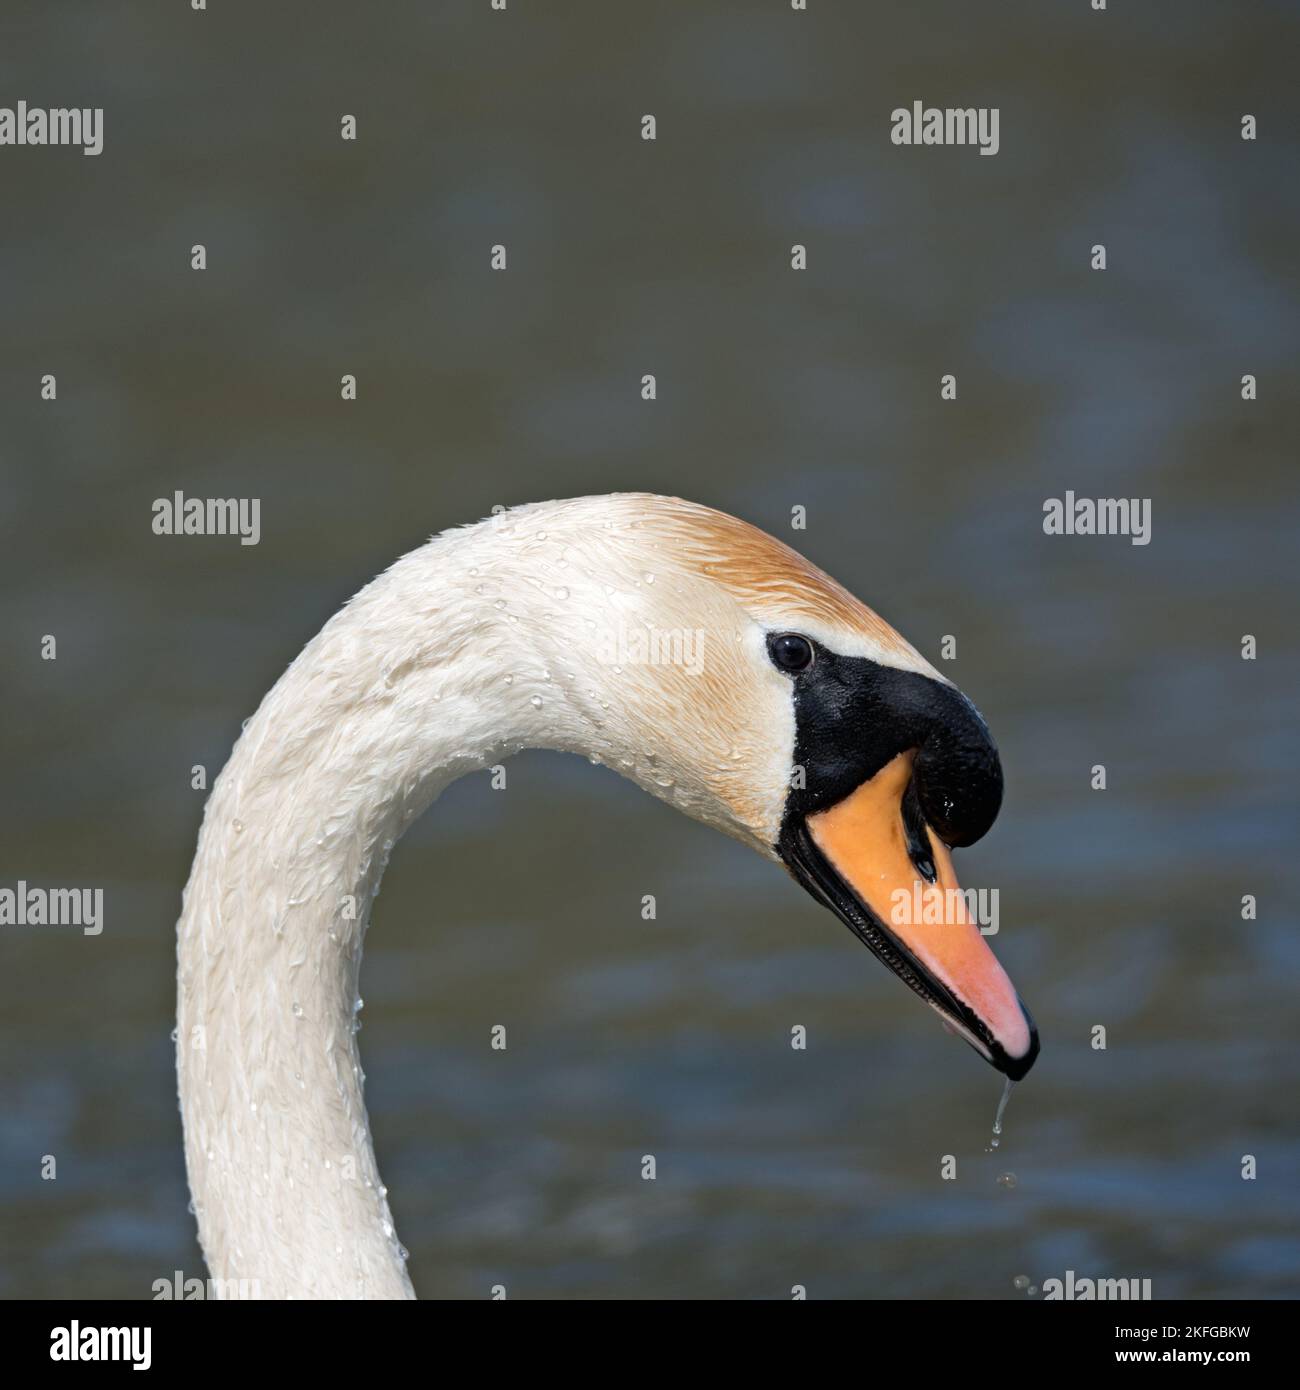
x=858 y=858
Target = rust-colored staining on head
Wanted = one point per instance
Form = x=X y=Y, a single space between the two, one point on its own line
x=763 y=574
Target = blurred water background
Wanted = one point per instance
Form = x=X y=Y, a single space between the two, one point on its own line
x=776 y=389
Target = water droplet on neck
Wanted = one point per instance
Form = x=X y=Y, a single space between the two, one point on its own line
x=510 y=680
x=536 y=702
x=237 y=826
x=561 y=592
x=297 y=1009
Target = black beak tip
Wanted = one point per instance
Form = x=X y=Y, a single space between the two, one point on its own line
x=1015 y=1068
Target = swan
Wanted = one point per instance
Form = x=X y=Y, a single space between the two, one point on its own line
x=684 y=648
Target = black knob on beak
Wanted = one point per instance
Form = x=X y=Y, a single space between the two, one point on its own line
x=958 y=774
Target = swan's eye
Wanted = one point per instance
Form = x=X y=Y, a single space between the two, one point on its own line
x=790 y=651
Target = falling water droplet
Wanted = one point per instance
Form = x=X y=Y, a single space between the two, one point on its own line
x=997 y=1119
x=176 y=1032
x=1021 y=1281
x=1008 y=1181
x=1032 y=1290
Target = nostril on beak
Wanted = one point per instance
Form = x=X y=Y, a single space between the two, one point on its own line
x=918 y=840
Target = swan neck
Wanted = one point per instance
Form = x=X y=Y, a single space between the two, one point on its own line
x=352 y=743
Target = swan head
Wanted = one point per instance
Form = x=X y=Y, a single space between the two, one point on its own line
x=765 y=699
